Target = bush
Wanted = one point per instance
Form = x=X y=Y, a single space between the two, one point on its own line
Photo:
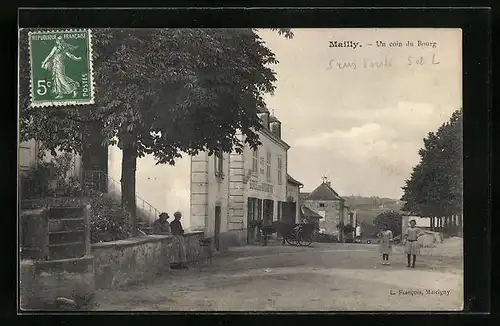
x=50 y=178
x=35 y=183
x=109 y=222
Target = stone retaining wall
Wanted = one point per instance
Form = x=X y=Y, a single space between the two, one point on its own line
x=42 y=282
x=123 y=262
x=134 y=260
x=112 y=265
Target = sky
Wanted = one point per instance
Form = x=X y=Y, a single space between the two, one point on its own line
x=359 y=125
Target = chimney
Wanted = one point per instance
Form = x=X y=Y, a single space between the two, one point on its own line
x=328 y=183
x=276 y=128
x=264 y=117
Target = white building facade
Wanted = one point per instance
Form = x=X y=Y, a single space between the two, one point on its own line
x=28 y=157
x=228 y=191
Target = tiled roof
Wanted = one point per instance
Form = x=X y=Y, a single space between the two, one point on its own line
x=324 y=192
x=308 y=213
x=292 y=180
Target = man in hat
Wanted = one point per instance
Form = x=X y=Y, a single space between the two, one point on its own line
x=178 y=231
x=161 y=226
x=410 y=240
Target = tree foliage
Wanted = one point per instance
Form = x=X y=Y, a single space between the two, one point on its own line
x=393 y=220
x=435 y=185
x=162 y=92
x=166 y=91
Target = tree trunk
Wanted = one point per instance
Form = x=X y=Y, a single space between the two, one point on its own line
x=450 y=222
x=453 y=225
x=459 y=225
x=432 y=223
x=447 y=226
x=129 y=164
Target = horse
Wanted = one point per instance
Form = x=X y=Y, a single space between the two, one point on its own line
x=275 y=227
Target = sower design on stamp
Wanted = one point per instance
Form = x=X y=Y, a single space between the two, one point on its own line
x=61 y=67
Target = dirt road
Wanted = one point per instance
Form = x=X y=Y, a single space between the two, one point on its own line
x=327 y=277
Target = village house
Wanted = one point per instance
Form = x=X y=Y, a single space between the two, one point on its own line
x=310 y=216
x=29 y=152
x=291 y=209
x=230 y=192
x=219 y=194
x=328 y=204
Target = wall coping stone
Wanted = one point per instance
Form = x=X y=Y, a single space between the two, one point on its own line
x=190 y=233
x=139 y=240
x=130 y=242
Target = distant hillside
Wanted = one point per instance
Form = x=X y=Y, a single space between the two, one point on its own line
x=369 y=207
x=358 y=202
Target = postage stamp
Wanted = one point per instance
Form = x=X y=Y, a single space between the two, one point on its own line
x=61 y=67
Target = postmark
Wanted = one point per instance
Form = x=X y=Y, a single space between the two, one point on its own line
x=61 y=67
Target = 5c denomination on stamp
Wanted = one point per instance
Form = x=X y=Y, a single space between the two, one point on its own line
x=61 y=67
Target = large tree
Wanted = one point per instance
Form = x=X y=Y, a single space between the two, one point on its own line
x=435 y=186
x=162 y=92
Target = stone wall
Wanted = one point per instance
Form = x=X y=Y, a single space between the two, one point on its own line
x=42 y=282
x=192 y=245
x=112 y=265
x=124 y=262
x=333 y=213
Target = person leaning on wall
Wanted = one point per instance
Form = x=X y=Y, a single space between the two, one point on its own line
x=178 y=233
x=161 y=226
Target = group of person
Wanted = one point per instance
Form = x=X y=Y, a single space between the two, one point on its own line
x=410 y=241
x=162 y=226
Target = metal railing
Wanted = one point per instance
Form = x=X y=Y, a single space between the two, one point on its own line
x=100 y=181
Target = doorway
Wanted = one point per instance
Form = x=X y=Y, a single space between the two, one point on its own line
x=268 y=211
x=217 y=227
x=253 y=214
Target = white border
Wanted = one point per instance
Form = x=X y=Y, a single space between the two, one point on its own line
x=91 y=71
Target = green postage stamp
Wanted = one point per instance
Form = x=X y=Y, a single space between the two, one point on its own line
x=61 y=67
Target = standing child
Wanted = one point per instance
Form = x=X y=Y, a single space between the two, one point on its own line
x=410 y=240
x=385 y=244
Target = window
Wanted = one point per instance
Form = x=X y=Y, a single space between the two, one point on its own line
x=255 y=161
x=268 y=166
x=321 y=205
x=280 y=169
x=218 y=161
x=322 y=214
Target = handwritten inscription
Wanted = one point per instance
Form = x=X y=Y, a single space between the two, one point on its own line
x=261 y=187
x=383 y=62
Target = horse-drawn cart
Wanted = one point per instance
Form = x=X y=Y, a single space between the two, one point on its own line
x=301 y=234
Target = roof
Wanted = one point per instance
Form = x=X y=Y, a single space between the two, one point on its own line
x=292 y=180
x=303 y=195
x=272 y=118
x=323 y=192
x=308 y=213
